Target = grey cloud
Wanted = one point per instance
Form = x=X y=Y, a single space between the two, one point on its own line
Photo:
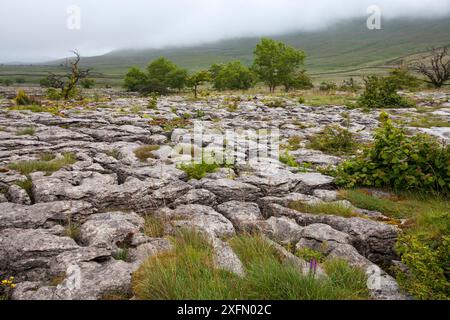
x=31 y=30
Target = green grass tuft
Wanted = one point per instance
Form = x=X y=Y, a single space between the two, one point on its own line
x=324 y=208
x=189 y=272
x=27 y=167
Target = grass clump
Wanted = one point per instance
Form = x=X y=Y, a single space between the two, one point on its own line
x=325 y=208
x=30 y=131
x=395 y=206
x=335 y=140
x=428 y=122
x=399 y=162
x=22 y=99
x=294 y=143
x=35 y=108
x=154 y=227
x=115 y=153
x=189 y=272
x=27 y=167
x=26 y=185
x=169 y=124
x=146 y=152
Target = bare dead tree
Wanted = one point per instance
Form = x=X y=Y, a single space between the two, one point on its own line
x=67 y=82
x=435 y=67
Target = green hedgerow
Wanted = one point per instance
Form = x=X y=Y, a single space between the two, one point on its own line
x=399 y=161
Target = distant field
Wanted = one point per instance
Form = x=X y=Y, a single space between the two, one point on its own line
x=345 y=50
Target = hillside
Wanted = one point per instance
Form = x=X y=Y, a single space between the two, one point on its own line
x=345 y=49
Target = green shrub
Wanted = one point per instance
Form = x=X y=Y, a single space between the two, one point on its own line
x=335 y=140
x=382 y=93
x=425 y=250
x=399 y=161
x=403 y=79
x=54 y=94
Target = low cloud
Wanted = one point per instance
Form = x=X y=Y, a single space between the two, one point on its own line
x=37 y=30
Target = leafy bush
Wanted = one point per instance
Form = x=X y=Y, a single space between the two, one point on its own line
x=399 y=161
x=382 y=93
x=54 y=94
x=334 y=139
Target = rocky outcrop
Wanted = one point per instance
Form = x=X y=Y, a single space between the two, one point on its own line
x=77 y=233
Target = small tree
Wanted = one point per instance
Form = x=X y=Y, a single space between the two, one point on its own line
x=135 y=80
x=197 y=79
x=435 y=67
x=276 y=63
x=162 y=75
x=298 y=81
x=7 y=82
x=177 y=79
x=232 y=76
x=67 y=82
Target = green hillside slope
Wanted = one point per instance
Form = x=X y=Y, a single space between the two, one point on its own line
x=345 y=49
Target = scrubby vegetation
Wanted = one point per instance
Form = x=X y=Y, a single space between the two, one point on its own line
x=423 y=245
x=399 y=161
x=161 y=77
x=382 y=93
x=189 y=272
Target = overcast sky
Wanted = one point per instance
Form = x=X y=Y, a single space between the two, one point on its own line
x=32 y=30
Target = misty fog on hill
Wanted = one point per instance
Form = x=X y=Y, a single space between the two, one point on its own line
x=39 y=32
